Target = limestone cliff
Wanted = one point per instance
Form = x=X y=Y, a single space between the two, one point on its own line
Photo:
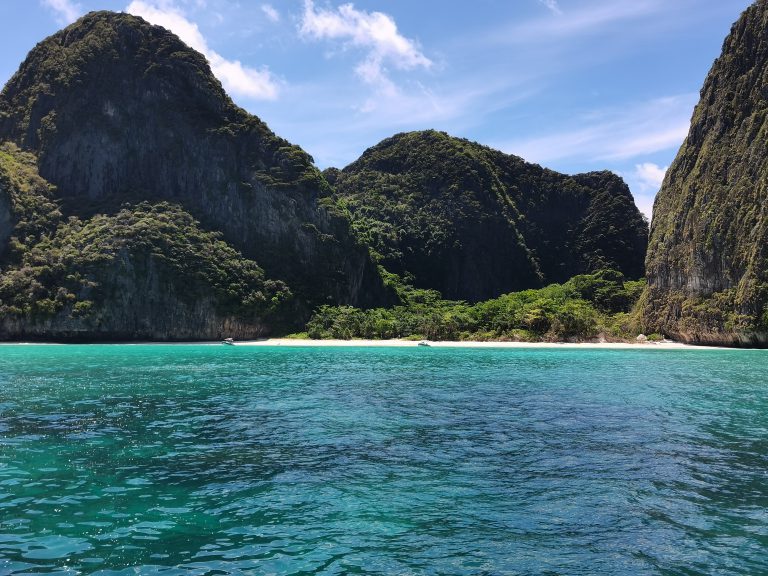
x=118 y=110
x=707 y=262
x=147 y=272
x=474 y=223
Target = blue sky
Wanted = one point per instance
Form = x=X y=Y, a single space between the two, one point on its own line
x=575 y=85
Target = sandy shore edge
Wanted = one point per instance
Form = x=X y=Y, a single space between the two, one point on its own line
x=298 y=343
x=288 y=342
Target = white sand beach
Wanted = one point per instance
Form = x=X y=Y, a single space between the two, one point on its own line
x=664 y=345
x=395 y=343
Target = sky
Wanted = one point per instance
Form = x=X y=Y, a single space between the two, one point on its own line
x=573 y=85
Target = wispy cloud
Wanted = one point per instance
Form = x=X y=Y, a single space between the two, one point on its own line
x=374 y=32
x=65 y=11
x=458 y=108
x=578 y=21
x=237 y=79
x=270 y=12
x=615 y=134
x=553 y=6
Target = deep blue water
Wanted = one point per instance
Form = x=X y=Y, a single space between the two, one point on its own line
x=247 y=460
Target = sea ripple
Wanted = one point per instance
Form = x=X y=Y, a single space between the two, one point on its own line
x=118 y=460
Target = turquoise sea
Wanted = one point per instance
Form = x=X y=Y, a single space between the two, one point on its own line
x=194 y=459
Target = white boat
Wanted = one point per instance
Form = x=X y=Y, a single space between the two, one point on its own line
x=228 y=341
x=423 y=343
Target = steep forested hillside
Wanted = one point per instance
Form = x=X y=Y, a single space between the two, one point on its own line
x=708 y=254
x=119 y=111
x=473 y=222
x=148 y=271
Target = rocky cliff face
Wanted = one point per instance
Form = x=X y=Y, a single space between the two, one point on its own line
x=136 y=302
x=117 y=111
x=707 y=261
x=6 y=222
x=473 y=222
x=148 y=272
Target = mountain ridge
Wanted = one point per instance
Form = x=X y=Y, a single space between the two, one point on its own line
x=474 y=223
x=117 y=110
x=137 y=201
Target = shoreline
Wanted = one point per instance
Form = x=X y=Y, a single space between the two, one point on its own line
x=396 y=343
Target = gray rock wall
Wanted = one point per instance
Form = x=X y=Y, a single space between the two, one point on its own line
x=119 y=111
x=707 y=263
x=138 y=305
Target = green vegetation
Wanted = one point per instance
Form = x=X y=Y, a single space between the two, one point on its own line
x=74 y=265
x=707 y=262
x=473 y=222
x=118 y=111
x=79 y=267
x=27 y=197
x=586 y=307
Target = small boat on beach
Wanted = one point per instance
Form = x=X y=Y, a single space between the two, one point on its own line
x=228 y=341
x=423 y=343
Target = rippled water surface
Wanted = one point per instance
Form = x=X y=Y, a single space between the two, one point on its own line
x=237 y=460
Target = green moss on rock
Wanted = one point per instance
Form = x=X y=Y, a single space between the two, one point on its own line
x=707 y=261
x=148 y=271
x=117 y=110
x=473 y=222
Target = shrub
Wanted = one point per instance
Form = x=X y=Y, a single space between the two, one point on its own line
x=580 y=309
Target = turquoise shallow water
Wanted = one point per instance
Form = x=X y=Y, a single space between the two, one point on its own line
x=235 y=460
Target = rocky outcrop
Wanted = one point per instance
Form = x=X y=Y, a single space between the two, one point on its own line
x=136 y=302
x=707 y=263
x=148 y=272
x=474 y=223
x=118 y=110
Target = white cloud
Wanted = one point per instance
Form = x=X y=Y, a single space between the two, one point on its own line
x=313 y=111
x=270 y=12
x=644 y=202
x=645 y=181
x=237 y=79
x=374 y=32
x=617 y=134
x=612 y=138
x=552 y=5
x=649 y=176
x=66 y=11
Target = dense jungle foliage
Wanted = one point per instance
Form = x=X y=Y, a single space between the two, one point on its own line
x=586 y=307
x=474 y=223
x=51 y=264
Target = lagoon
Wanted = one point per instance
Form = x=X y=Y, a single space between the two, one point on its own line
x=206 y=459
